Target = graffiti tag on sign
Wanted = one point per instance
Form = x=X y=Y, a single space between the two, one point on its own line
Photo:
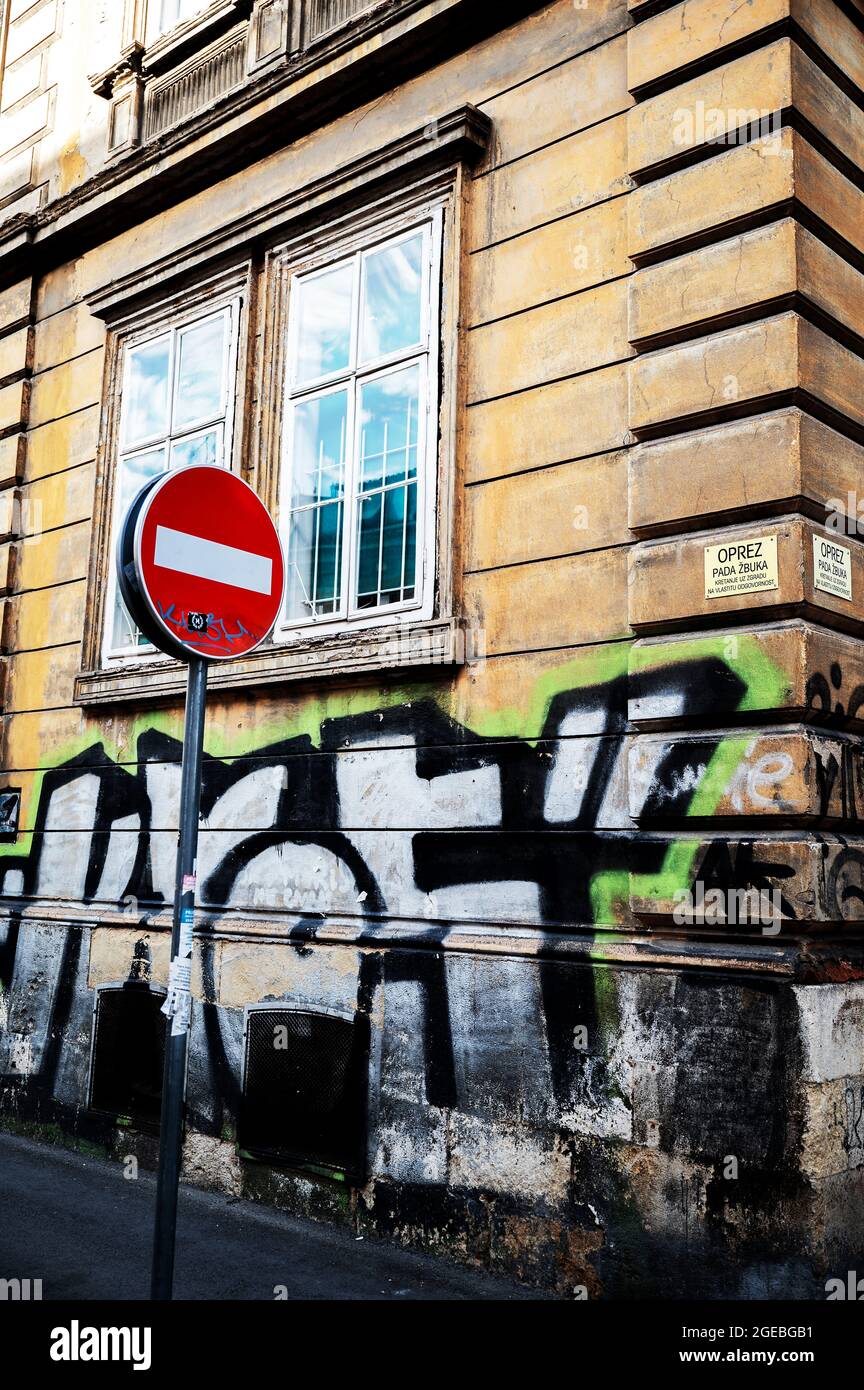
x=741 y=567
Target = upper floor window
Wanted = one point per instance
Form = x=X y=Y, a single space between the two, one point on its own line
x=176 y=408
x=360 y=431
x=336 y=348
x=164 y=14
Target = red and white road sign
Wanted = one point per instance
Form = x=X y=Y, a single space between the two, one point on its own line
x=209 y=562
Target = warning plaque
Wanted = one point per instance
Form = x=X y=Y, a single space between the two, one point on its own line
x=741 y=566
x=832 y=567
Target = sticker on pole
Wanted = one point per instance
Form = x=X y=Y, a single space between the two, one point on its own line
x=199 y=564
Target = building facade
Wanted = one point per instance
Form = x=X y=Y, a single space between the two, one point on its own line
x=530 y=879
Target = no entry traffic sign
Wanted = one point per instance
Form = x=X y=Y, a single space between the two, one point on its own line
x=199 y=564
x=200 y=570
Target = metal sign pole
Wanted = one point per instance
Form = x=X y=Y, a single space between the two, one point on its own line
x=178 y=1003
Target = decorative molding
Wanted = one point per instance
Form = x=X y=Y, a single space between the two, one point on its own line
x=16 y=234
x=808 y=961
x=460 y=136
x=273 y=32
x=128 y=63
x=199 y=82
x=312 y=90
x=372 y=651
x=125 y=119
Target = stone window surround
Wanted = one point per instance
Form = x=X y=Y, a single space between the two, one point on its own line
x=438 y=157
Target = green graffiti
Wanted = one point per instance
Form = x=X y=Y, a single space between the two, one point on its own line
x=764 y=686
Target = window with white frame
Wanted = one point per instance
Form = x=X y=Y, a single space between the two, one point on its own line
x=176 y=409
x=360 y=431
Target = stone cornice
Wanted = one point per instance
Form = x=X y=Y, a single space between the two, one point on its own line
x=269 y=111
x=459 y=136
x=128 y=63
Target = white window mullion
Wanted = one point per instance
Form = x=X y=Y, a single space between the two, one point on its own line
x=226 y=458
x=173 y=369
x=407 y=493
x=352 y=510
x=352 y=454
x=355 y=314
x=423 y=431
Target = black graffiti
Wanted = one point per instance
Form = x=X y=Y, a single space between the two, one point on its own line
x=739 y=867
x=843 y=880
x=822 y=700
x=561 y=858
x=853 y=1124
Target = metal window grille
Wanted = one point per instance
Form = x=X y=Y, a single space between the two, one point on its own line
x=304 y=1089
x=128 y=1054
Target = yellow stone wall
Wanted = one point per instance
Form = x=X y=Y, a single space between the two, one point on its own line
x=659 y=350
x=659 y=347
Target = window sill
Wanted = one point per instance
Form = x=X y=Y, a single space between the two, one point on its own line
x=184 y=39
x=403 y=646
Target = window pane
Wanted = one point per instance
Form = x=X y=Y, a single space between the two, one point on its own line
x=389 y=408
x=409 y=568
x=315 y=541
x=392 y=544
x=200 y=448
x=123 y=632
x=315 y=562
x=172 y=11
x=200 y=374
x=324 y=327
x=387 y=547
x=319 y=449
x=145 y=395
x=329 y=556
x=369 y=551
x=392 y=298
x=133 y=473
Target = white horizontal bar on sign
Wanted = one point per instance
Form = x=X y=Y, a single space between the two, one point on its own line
x=175 y=550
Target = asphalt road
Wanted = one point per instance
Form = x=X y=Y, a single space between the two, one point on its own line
x=82 y=1228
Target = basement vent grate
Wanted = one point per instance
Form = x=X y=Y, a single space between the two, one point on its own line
x=304 y=1089
x=128 y=1054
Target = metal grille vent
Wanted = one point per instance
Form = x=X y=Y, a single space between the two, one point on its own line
x=128 y=1054
x=304 y=1089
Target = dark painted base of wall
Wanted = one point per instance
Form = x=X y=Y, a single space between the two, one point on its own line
x=737 y=1242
